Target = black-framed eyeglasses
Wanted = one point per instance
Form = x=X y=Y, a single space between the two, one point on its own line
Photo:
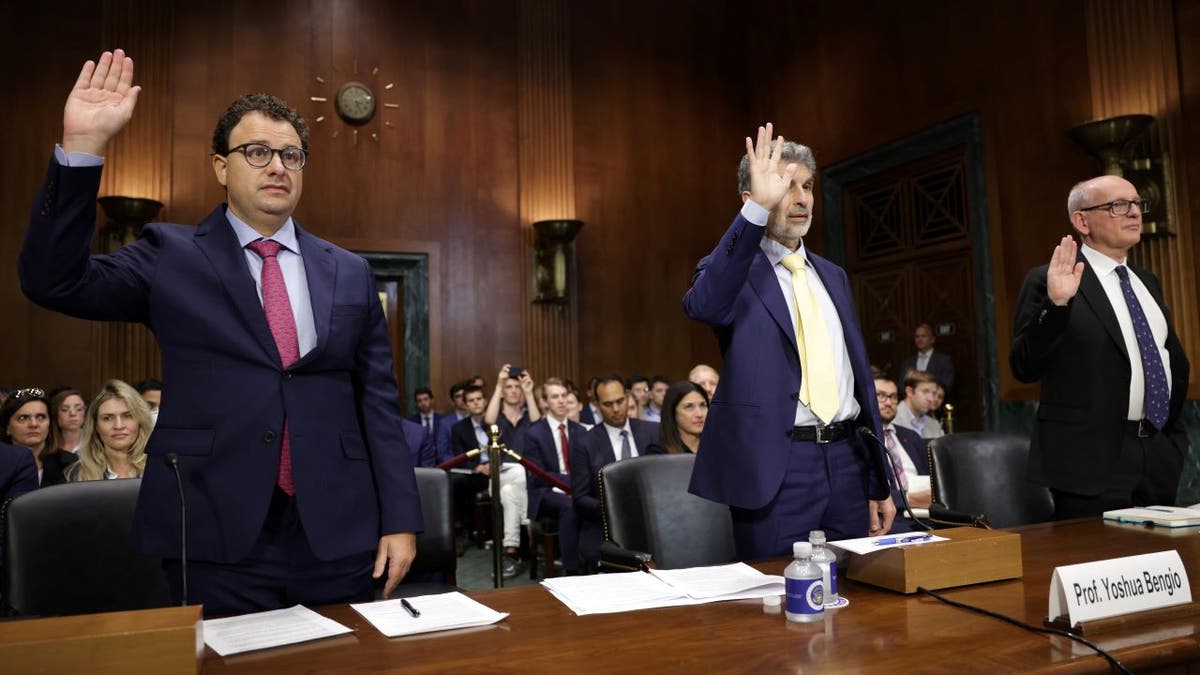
x=1120 y=207
x=31 y=392
x=259 y=155
x=887 y=397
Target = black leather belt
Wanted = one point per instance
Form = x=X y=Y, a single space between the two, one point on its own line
x=1140 y=428
x=829 y=433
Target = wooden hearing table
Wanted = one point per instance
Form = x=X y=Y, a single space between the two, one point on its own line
x=880 y=631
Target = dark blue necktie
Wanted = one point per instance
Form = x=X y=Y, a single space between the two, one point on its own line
x=1157 y=397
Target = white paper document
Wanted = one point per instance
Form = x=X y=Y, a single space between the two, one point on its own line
x=629 y=591
x=872 y=544
x=442 y=611
x=262 y=630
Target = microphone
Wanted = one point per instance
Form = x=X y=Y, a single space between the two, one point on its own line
x=891 y=475
x=173 y=462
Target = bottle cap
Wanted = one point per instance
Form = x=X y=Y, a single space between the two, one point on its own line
x=816 y=537
x=772 y=600
x=801 y=549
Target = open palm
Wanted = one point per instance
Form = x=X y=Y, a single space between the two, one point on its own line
x=767 y=186
x=100 y=104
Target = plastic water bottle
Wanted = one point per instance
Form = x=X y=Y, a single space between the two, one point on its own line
x=805 y=590
x=827 y=561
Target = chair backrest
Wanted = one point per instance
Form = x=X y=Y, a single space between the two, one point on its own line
x=68 y=552
x=984 y=472
x=647 y=507
x=435 y=546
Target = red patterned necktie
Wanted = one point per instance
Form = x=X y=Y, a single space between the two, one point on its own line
x=283 y=328
x=562 y=436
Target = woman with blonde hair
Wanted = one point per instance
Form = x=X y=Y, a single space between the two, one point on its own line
x=115 y=432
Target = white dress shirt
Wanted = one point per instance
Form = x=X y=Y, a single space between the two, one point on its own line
x=614 y=437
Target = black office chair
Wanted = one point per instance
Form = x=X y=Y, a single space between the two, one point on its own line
x=649 y=514
x=435 y=568
x=67 y=551
x=984 y=473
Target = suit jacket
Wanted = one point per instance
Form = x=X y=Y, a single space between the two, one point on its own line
x=462 y=439
x=54 y=467
x=420 y=444
x=437 y=419
x=227 y=394
x=914 y=445
x=586 y=415
x=1078 y=354
x=442 y=436
x=744 y=450
x=541 y=450
x=597 y=451
x=18 y=471
x=941 y=366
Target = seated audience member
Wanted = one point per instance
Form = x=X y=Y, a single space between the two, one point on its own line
x=514 y=409
x=25 y=418
x=18 y=472
x=658 y=389
x=427 y=416
x=615 y=439
x=913 y=411
x=906 y=450
x=549 y=444
x=707 y=377
x=686 y=404
x=420 y=443
x=631 y=406
x=441 y=437
x=939 y=398
x=67 y=410
x=114 y=435
x=590 y=414
x=150 y=390
x=639 y=387
x=472 y=433
x=575 y=408
x=938 y=364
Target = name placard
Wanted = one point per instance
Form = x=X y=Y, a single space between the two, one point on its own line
x=1108 y=588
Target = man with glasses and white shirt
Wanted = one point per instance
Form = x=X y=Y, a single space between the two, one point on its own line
x=1095 y=332
x=281 y=423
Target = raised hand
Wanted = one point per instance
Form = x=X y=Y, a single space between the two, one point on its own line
x=1063 y=274
x=100 y=104
x=767 y=186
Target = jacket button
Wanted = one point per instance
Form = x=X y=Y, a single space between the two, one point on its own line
x=269 y=437
x=287 y=375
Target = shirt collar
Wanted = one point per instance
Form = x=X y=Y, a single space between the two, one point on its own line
x=775 y=251
x=1101 y=264
x=286 y=235
x=617 y=430
x=554 y=423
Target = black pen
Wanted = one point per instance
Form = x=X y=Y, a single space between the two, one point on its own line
x=412 y=611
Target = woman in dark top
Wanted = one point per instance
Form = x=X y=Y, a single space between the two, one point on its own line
x=685 y=408
x=25 y=420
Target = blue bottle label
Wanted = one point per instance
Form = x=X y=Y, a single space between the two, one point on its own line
x=833 y=577
x=805 y=596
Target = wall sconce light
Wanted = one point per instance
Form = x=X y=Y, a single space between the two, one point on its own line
x=126 y=217
x=551 y=259
x=1112 y=141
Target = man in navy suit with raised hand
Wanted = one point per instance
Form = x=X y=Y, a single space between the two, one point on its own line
x=280 y=407
x=780 y=445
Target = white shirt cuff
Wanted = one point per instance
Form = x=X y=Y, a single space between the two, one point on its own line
x=77 y=159
x=754 y=213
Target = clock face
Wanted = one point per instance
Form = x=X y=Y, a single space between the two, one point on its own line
x=355 y=102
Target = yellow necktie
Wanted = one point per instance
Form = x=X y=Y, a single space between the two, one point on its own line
x=818 y=387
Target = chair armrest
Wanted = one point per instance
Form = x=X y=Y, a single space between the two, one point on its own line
x=623 y=559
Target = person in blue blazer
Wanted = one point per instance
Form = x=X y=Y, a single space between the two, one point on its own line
x=420 y=444
x=781 y=468
x=544 y=446
x=426 y=416
x=285 y=429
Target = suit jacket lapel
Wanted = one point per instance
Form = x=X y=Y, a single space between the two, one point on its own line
x=215 y=239
x=766 y=285
x=1093 y=294
x=320 y=269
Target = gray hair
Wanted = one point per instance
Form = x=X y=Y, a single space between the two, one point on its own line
x=1079 y=196
x=792 y=152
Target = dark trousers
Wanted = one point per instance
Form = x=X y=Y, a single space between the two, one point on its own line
x=825 y=488
x=561 y=508
x=1147 y=473
x=280 y=571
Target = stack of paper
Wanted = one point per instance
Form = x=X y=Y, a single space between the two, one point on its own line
x=443 y=611
x=1162 y=516
x=237 y=634
x=629 y=591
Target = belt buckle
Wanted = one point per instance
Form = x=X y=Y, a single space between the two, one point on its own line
x=1145 y=430
x=819 y=439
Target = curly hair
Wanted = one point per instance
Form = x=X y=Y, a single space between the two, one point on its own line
x=268 y=105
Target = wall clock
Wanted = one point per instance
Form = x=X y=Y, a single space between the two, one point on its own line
x=356 y=105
